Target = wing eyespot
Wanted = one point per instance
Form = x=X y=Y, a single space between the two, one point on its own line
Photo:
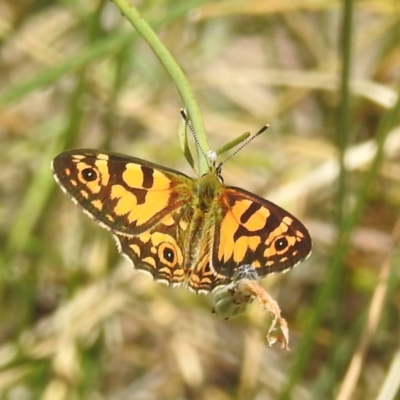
x=167 y=254
x=281 y=244
x=89 y=174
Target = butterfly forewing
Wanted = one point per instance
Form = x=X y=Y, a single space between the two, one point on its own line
x=124 y=194
x=257 y=232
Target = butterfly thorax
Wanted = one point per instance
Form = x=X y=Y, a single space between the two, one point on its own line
x=207 y=190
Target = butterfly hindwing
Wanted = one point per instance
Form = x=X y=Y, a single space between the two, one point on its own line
x=157 y=251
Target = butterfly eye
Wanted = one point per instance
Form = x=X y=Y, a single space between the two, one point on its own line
x=89 y=174
x=281 y=244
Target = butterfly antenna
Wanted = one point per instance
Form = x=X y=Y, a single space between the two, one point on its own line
x=189 y=124
x=263 y=129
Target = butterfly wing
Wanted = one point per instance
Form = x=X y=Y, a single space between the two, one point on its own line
x=203 y=277
x=123 y=194
x=143 y=204
x=158 y=251
x=256 y=232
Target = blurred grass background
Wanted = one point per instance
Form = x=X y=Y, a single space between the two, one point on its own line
x=76 y=322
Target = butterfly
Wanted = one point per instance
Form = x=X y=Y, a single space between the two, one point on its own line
x=196 y=232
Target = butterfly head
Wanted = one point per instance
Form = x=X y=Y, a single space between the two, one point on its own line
x=214 y=168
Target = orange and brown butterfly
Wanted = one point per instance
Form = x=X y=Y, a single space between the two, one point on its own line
x=180 y=230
